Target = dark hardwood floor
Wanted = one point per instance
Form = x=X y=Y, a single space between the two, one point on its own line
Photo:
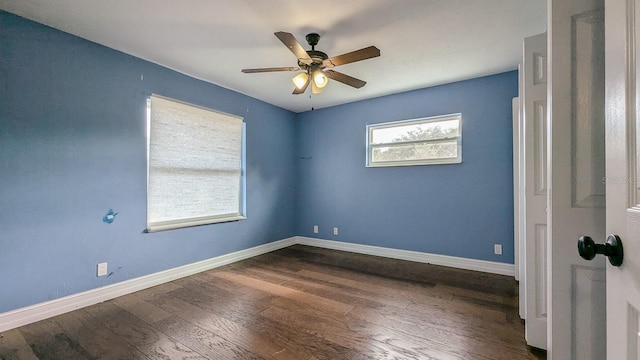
x=295 y=303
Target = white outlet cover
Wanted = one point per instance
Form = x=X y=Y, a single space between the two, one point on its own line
x=497 y=249
x=335 y=231
x=315 y=229
x=102 y=269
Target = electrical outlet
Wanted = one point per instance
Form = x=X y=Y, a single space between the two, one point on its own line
x=102 y=269
x=497 y=249
x=315 y=229
x=335 y=231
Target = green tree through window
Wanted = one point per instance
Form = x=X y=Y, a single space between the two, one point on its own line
x=418 y=142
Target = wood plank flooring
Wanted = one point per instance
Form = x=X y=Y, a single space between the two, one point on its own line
x=296 y=303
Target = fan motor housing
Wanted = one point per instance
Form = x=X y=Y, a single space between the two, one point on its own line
x=316 y=56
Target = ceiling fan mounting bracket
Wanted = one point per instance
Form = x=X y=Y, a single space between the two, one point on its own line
x=312 y=39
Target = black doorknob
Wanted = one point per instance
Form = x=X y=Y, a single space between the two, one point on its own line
x=612 y=249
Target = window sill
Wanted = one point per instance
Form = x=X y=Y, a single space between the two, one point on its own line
x=171 y=225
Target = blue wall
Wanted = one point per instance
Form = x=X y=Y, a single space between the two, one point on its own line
x=72 y=146
x=459 y=210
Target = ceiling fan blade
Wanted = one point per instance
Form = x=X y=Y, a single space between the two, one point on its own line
x=290 y=41
x=362 y=54
x=345 y=79
x=260 y=70
x=297 y=91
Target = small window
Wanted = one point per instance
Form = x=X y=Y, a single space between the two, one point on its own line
x=426 y=141
x=195 y=165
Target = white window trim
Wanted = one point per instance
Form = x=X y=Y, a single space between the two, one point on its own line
x=205 y=220
x=439 y=161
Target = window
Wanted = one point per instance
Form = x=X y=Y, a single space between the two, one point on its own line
x=195 y=165
x=426 y=141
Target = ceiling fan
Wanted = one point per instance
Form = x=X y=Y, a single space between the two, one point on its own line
x=314 y=63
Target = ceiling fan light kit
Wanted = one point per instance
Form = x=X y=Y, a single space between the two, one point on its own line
x=300 y=80
x=313 y=63
x=320 y=79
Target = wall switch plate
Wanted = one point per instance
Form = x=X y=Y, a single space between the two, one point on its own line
x=315 y=229
x=102 y=269
x=335 y=231
x=497 y=249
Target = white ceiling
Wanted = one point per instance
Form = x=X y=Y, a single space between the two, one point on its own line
x=422 y=42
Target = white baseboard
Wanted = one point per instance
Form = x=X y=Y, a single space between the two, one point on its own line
x=435 y=259
x=30 y=314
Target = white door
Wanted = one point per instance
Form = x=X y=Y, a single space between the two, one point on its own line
x=535 y=188
x=518 y=199
x=576 y=292
x=623 y=198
